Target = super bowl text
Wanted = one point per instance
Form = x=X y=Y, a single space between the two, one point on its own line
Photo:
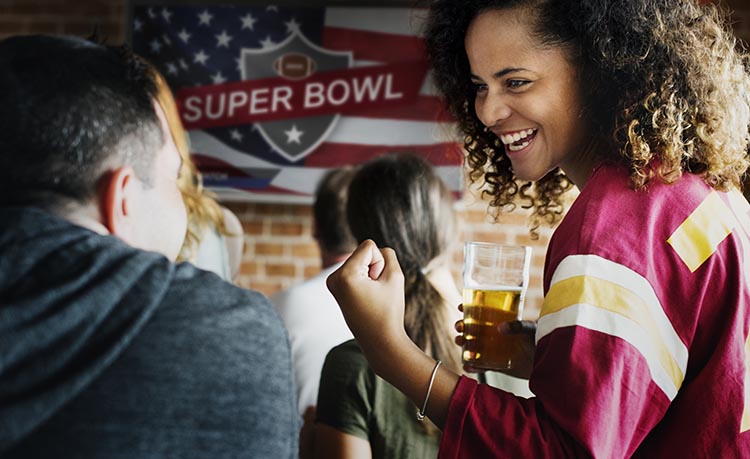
x=278 y=98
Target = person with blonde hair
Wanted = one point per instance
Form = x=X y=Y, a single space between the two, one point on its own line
x=642 y=341
x=214 y=239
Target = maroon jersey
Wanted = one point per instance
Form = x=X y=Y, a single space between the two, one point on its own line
x=642 y=341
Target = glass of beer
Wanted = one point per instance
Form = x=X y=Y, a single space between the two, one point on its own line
x=495 y=280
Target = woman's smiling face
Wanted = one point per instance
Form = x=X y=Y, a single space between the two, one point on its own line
x=527 y=95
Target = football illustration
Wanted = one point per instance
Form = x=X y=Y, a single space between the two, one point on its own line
x=294 y=66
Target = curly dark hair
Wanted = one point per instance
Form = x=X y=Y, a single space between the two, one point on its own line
x=665 y=89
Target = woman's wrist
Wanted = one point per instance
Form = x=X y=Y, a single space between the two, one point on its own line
x=385 y=353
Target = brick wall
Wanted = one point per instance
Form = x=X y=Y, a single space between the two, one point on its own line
x=280 y=251
x=279 y=248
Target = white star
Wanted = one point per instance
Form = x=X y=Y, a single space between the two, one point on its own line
x=293 y=135
x=205 y=18
x=235 y=134
x=292 y=26
x=166 y=40
x=218 y=78
x=223 y=39
x=200 y=57
x=166 y=14
x=248 y=21
x=155 y=46
x=272 y=8
x=151 y=13
x=267 y=43
x=183 y=64
x=137 y=24
x=184 y=35
x=171 y=68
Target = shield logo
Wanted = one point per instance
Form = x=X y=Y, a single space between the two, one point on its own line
x=295 y=58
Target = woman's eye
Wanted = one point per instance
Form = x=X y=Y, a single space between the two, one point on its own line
x=514 y=84
x=479 y=87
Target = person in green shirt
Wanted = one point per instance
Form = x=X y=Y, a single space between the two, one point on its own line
x=400 y=202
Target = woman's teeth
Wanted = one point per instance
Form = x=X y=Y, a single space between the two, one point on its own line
x=514 y=147
x=515 y=141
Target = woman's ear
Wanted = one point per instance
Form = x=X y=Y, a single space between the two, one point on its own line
x=117 y=200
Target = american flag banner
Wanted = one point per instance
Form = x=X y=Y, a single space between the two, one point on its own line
x=274 y=96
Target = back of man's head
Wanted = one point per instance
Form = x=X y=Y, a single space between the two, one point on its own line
x=70 y=110
x=329 y=211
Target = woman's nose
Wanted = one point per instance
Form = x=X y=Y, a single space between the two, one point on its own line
x=492 y=109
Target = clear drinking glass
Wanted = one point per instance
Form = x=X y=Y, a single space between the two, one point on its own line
x=495 y=280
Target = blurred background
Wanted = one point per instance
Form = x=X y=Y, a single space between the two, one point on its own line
x=279 y=248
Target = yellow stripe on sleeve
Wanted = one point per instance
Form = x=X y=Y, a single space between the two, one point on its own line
x=593 y=292
x=700 y=234
x=617 y=311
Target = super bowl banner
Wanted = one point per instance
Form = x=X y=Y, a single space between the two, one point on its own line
x=275 y=96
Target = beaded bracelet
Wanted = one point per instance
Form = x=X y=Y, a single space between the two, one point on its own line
x=420 y=413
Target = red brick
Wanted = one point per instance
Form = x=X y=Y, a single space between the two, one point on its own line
x=254 y=228
x=302 y=211
x=310 y=250
x=268 y=248
x=250 y=268
x=280 y=270
x=286 y=229
x=274 y=209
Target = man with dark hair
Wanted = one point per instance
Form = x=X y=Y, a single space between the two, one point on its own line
x=108 y=349
x=330 y=228
x=309 y=311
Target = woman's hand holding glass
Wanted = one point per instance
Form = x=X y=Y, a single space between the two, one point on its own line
x=525 y=362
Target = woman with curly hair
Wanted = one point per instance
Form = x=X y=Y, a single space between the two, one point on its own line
x=642 y=343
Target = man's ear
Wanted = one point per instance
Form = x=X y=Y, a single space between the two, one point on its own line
x=117 y=200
